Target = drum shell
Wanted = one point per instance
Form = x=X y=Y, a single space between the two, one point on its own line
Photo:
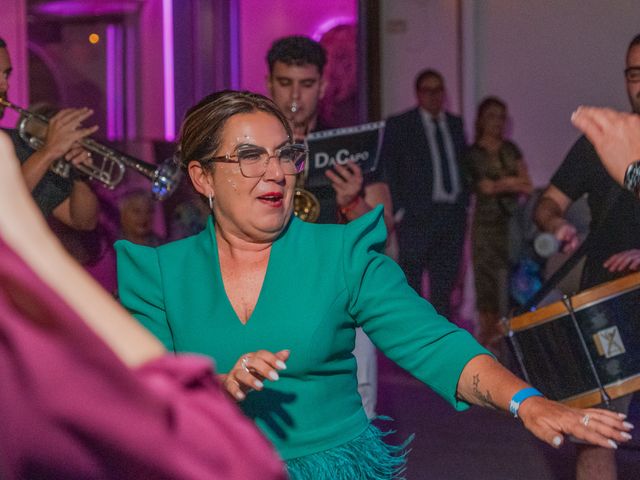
x=552 y=357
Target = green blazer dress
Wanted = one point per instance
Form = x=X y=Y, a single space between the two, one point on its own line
x=322 y=281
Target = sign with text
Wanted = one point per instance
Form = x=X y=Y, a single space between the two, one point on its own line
x=359 y=144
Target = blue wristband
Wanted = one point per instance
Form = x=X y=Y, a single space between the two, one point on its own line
x=520 y=397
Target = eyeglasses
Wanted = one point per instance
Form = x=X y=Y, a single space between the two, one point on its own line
x=632 y=74
x=253 y=159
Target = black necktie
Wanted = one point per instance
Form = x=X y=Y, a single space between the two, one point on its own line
x=444 y=159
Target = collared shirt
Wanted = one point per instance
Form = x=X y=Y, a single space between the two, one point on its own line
x=439 y=194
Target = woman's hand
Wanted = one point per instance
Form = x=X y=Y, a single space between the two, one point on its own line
x=507 y=184
x=251 y=370
x=550 y=421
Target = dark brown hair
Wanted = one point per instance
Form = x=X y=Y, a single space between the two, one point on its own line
x=201 y=131
x=297 y=50
x=484 y=105
x=429 y=72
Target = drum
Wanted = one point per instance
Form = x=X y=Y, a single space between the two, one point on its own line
x=567 y=360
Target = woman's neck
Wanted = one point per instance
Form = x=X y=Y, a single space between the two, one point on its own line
x=239 y=247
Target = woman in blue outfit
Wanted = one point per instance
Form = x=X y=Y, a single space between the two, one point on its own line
x=276 y=302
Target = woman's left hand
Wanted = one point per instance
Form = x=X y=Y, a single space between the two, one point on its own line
x=251 y=370
x=550 y=421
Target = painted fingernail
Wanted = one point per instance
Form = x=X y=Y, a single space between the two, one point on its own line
x=613 y=444
x=273 y=375
x=557 y=441
x=281 y=365
x=628 y=425
x=258 y=384
x=240 y=395
x=625 y=435
x=622 y=416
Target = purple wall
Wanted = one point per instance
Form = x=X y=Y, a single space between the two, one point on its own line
x=259 y=27
x=13 y=29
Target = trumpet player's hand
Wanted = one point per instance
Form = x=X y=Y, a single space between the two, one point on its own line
x=65 y=129
x=78 y=155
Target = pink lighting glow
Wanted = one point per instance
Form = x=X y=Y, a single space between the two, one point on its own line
x=331 y=23
x=115 y=128
x=89 y=8
x=167 y=55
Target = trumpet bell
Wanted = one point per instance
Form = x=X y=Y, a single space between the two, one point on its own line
x=306 y=205
x=166 y=179
x=109 y=164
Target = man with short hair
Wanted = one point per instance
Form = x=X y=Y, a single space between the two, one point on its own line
x=421 y=151
x=70 y=200
x=614 y=248
x=296 y=83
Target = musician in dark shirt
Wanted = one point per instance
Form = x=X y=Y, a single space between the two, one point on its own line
x=69 y=200
x=614 y=248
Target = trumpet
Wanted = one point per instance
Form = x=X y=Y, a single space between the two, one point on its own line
x=110 y=167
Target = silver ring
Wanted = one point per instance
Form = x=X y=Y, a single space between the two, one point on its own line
x=585 y=420
x=245 y=359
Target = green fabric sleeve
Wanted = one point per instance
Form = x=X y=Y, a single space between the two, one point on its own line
x=140 y=288
x=399 y=322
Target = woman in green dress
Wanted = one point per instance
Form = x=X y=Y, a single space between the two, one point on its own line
x=498 y=175
x=276 y=301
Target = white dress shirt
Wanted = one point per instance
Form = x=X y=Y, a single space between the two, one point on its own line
x=439 y=194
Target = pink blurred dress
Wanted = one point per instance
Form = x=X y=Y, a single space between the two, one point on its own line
x=69 y=408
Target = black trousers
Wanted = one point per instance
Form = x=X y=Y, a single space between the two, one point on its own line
x=433 y=243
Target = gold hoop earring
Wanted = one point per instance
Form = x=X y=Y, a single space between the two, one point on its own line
x=210 y=201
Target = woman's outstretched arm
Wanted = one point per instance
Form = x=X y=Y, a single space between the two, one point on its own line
x=487 y=383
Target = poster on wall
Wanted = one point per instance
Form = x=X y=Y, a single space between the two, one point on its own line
x=359 y=144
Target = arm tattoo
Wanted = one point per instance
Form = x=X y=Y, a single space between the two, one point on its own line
x=485 y=398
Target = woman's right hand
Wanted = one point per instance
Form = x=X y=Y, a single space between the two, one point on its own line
x=251 y=370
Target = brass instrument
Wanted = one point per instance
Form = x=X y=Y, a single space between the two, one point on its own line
x=305 y=204
x=111 y=165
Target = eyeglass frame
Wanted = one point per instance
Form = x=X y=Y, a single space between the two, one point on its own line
x=628 y=70
x=229 y=158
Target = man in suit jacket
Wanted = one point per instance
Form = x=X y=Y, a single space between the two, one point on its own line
x=421 y=152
